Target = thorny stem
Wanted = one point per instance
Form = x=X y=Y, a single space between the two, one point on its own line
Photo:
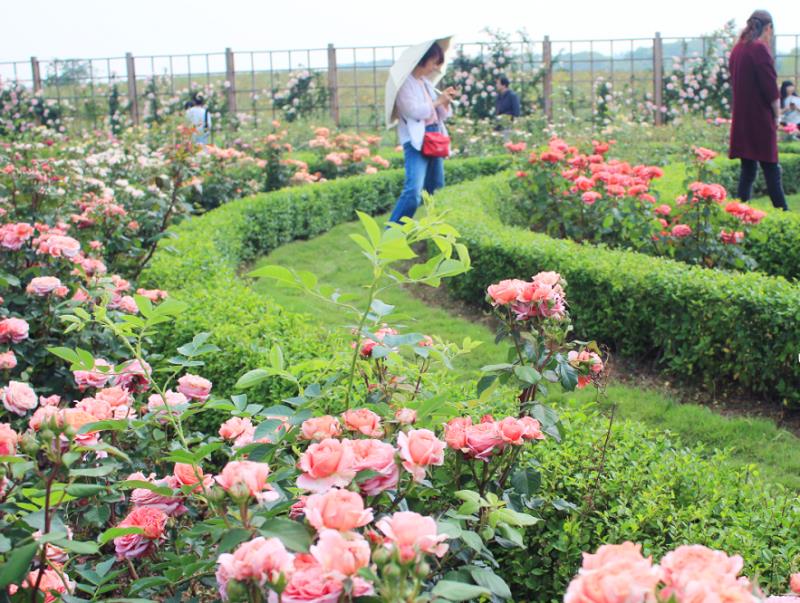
x=357 y=337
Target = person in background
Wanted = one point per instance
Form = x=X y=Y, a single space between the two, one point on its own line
x=198 y=116
x=756 y=109
x=790 y=104
x=421 y=109
x=507 y=101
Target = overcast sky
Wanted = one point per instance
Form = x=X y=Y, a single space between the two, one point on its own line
x=97 y=28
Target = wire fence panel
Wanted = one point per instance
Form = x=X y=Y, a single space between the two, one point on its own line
x=577 y=78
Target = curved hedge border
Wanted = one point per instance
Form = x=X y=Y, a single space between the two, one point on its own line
x=704 y=324
x=199 y=265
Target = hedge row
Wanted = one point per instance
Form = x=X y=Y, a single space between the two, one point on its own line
x=199 y=264
x=703 y=324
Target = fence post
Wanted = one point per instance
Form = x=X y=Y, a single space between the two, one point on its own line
x=333 y=84
x=230 y=79
x=547 y=60
x=658 y=77
x=36 y=75
x=132 y=96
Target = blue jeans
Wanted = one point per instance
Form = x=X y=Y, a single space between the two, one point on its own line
x=421 y=173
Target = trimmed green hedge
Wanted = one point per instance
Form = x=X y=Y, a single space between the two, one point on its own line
x=199 y=265
x=710 y=325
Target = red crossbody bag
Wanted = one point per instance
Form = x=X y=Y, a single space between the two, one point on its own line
x=436 y=144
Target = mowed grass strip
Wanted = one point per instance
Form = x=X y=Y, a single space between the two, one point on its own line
x=773 y=452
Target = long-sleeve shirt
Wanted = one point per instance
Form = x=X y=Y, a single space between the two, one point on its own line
x=415 y=108
x=507 y=104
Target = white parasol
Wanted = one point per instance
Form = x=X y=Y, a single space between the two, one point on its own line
x=403 y=67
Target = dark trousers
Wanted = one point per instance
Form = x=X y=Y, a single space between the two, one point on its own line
x=772 y=174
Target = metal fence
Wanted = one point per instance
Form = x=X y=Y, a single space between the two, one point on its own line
x=354 y=76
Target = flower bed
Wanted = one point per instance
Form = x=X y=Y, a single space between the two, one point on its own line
x=701 y=324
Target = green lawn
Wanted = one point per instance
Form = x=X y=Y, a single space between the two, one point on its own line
x=337 y=261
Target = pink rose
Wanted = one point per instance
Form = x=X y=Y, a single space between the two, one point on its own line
x=663 y=210
x=617 y=573
x=123 y=303
x=420 y=448
x=247 y=478
x=18 y=397
x=99 y=409
x=325 y=464
x=162 y=405
x=378 y=456
x=363 y=421
x=94 y=377
x=531 y=429
x=9 y=439
x=794 y=583
x=154 y=295
x=505 y=291
x=115 y=396
x=53 y=400
x=337 y=509
x=8 y=360
x=58 y=246
x=13 y=330
x=406 y=416
x=134 y=377
x=512 y=430
x=42 y=415
x=13 y=236
x=191 y=475
x=412 y=533
x=239 y=430
x=152 y=521
x=691 y=563
x=483 y=440
x=320 y=428
x=341 y=554
x=143 y=497
x=194 y=387
x=51 y=584
x=681 y=230
x=590 y=197
x=42 y=285
x=455 y=433
x=261 y=560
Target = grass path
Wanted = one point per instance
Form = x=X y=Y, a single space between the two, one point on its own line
x=338 y=262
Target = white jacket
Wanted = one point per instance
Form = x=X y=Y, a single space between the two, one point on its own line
x=413 y=109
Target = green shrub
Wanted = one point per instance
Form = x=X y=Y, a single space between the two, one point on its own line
x=708 y=325
x=650 y=490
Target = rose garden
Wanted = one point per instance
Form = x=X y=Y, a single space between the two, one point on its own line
x=187 y=415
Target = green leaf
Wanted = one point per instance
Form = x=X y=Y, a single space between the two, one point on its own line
x=526 y=481
x=112 y=533
x=253 y=378
x=277 y=273
x=371 y=227
x=17 y=565
x=74 y=546
x=527 y=374
x=380 y=309
x=85 y=490
x=512 y=518
x=491 y=368
x=267 y=429
x=67 y=354
x=472 y=540
x=293 y=534
x=276 y=357
x=488 y=579
x=132 y=484
x=511 y=534
x=107 y=425
x=94 y=471
x=232 y=538
x=458 y=591
x=144 y=304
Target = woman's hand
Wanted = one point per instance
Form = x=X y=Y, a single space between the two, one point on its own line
x=446 y=97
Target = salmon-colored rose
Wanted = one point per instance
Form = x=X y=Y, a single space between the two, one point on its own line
x=320 y=428
x=8 y=360
x=188 y=475
x=8 y=440
x=511 y=430
x=412 y=533
x=243 y=478
x=260 y=560
x=18 y=397
x=483 y=440
x=363 y=421
x=337 y=509
x=419 y=449
x=13 y=330
x=532 y=429
x=505 y=291
x=455 y=433
x=378 y=456
x=194 y=387
x=406 y=416
x=152 y=521
x=326 y=464
x=341 y=554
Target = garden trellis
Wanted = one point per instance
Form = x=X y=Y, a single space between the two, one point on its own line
x=569 y=77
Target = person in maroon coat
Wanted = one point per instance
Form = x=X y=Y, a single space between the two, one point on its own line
x=756 y=108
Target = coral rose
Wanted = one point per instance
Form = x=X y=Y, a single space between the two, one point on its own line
x=8 y=440
x=419 y=449
x=261 y=560
x=411 y=533
x=337 y=509
x=341 y=554
x=194 y=387
x=13 y=330
x=326 y=464
x=377 y=456
x=363 y=421
x=247 y=478
x=320 y=428
x=8 y=360
x=483 y=440
x=152 y=522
